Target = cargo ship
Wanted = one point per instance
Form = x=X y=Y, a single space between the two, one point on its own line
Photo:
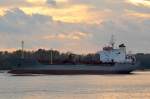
x=111 y=61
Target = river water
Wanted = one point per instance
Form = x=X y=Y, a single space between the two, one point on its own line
x=133 y=86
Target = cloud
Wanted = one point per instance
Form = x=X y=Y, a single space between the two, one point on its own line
x=59 y=10
x=51 y=2
x=140 y=15
x=36 y=1
x=69 y=14
x=62 y=1
x=67 y=36
x=73 y=25
x=17 y=21
x=2 y=11
x=15 y=26
x=145 y=3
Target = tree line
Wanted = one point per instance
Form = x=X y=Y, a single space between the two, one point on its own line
x=9 y=59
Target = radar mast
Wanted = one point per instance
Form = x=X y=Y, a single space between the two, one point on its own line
x=112 y=41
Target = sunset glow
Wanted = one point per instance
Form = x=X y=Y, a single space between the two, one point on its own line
x=62 y=1
x=74 y=24
x=72 y=14
x=140 y=2
x=74 y=49
x=36 y=1
x=67 y=36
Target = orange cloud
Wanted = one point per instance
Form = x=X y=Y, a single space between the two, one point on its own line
x=3 y=11
x=145 y=3
x=71 y=14
x=141 y=15
x=138 y=15
x=67 y=36
x=62 y=1
x=36 y=1
x=64 y=12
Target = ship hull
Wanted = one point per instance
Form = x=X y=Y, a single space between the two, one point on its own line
x=77 y=69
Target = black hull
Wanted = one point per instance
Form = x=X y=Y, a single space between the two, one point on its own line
x=67 y=72
x=76 y=69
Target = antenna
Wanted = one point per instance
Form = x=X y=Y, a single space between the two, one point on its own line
x=112 y=41
x=22 y=50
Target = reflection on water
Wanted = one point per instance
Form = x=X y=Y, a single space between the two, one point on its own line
x=135 y=86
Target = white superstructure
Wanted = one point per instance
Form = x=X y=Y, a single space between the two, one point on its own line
x=110 y=54
x=113 y=55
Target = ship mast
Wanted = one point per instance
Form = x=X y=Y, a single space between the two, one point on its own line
x=112 y=41
x=22 y=49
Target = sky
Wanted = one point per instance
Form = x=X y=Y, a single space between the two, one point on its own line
x=79 y=26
